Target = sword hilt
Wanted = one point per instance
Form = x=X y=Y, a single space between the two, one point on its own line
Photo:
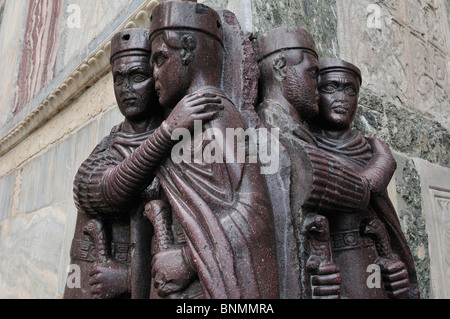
x=94 y=228
x=159 y=214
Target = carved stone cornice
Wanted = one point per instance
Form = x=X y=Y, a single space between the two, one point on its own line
x=94 y=67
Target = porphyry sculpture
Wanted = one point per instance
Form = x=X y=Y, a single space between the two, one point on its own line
x=288 y=99
x=168 y=209
x=222 y=205
x=323 y=187
x=112 y=240
x=373 y=235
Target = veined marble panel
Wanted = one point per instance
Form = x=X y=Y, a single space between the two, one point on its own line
x=89 y=71
x=39 y=50
x=14 y=15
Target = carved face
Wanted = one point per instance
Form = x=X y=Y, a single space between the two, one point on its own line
x=170 y=73
x=133 y=86
x=300 y=83
x=338 y=100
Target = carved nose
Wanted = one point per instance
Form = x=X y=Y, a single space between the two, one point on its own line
x=128 y=86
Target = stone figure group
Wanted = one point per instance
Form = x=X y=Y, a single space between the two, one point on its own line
x=212 y=225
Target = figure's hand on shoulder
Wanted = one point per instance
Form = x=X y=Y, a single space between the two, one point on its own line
x=194 y=107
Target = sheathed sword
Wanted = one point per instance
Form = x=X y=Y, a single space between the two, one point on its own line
x=94 y=228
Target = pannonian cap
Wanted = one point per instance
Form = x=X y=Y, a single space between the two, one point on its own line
x=285 y=38
x=130 y=42
x=327 y=65
x=173 y=15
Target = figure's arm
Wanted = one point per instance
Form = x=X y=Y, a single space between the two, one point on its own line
x=334 y=186
x=105 y=184
x=134 y=174
x=381 y=168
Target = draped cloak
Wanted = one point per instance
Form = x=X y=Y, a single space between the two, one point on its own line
x=226 y=214
x=357 y=154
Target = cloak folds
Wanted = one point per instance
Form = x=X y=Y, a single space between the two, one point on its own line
x=226 y=214
x=358 y=154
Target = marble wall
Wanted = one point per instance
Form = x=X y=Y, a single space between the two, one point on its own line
x=12 y=21
x=39 y=50
x=402 y=48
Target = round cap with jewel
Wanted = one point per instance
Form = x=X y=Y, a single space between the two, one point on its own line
x=130 y=42
x=181 y=15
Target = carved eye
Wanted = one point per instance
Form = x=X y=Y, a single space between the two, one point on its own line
x=139 y=78
x=350 y=90
x=159 y=60
x=329 y=88
x=118 y=80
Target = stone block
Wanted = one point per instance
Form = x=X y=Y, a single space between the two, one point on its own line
x=30 y=249
x=108 y=120
x=435 y=193
x=94 y=17
x=48 y=177
x=243 y=9
x=7 y=186
x=412 y=219
x=317 y=17
x=403 y=56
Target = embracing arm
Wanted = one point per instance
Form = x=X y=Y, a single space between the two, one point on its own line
x=381 y=168
x=334 y=186
x=104 y=183
x=134 y=174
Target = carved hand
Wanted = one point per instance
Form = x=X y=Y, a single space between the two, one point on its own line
x=326 y=283
x=395 y=277
x=109 y=280
x=194 y=107
x=170 y=272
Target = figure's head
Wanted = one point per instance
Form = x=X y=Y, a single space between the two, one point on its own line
x=288 y=60
x=132 y=73
x=339 y=84
x=187 y=49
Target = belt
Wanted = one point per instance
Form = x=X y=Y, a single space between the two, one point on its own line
x=350 y=239
x=85 y=250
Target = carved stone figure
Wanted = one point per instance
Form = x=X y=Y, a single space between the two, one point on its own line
x=170 y=207
x=222 y=206
x=112 y=240
x=288 y=85
x=373 y=235
x=316 y=182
